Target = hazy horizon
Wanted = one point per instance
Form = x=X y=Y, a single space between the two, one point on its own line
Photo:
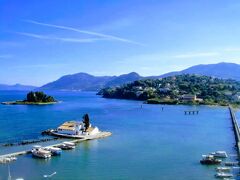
x=17 y=83
x=44 y=40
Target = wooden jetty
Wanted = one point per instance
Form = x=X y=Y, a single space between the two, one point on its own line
x=89 y=137
x=235 y=129
x=191 y=112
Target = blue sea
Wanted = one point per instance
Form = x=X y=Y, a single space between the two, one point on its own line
x=147 y=142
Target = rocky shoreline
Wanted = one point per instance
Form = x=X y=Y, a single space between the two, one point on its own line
x=26 y=103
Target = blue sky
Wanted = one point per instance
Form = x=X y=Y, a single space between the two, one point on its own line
x=43 y=40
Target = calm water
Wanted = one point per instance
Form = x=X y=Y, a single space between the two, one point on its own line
x=147 y=143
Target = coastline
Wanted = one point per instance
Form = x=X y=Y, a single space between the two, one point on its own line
x=27 y=103
x=175 y=102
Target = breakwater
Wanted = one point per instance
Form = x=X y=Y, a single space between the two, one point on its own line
x=31 y=141
x=235 y=129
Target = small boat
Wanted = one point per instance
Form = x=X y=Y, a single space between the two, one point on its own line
x=54 y=150
x=210 y=160
x=222 y=168
x=13 y=158
x=224 y=175
x=67 y=146
x=219 y=154
x=39 y=152
x=8 y=159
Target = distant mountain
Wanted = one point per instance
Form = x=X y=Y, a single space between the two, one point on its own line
x=79 y=81
x=123 y=79
x=87 y=82
x=17 y=87
x=221 y=70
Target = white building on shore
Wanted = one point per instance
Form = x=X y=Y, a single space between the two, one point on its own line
x=190 y=98
x=76 y=128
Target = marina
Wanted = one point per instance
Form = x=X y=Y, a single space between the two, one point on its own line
x=226 y=170
x=78 y=130
x=216 y=158
x=98 y=136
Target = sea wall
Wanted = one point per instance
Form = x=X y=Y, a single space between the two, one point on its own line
x=235 y=129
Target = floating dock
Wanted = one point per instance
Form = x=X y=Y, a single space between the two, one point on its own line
x=235 y=129
x=87 y=138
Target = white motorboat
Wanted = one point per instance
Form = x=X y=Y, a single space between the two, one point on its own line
x=222 y=168
x=67 y=145
x=39 y=152
x=8 y=159
x=219 y=154
x=13 y=158
x=224 y=175
x=54 y=150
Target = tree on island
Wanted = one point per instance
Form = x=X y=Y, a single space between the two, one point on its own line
x=86 y=121
x=39 y=96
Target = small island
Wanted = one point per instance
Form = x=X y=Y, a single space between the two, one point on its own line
x=180 y=89
x=34 y=98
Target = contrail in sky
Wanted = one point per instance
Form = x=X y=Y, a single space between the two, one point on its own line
x=106 y=36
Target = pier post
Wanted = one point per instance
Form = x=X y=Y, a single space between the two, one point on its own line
x=193 y=112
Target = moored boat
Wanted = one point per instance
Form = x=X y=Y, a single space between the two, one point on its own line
x=54 y=150
x=210 y=160
x=224 y=175
x=219 y=154
x=39 y=152
x=67 y=146
x=8 y=159
x=222 y=168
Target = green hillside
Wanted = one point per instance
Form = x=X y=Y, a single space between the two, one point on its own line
x=180 y=89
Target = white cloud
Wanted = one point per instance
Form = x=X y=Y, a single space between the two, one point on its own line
x=88 y=40
x=101 y=35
